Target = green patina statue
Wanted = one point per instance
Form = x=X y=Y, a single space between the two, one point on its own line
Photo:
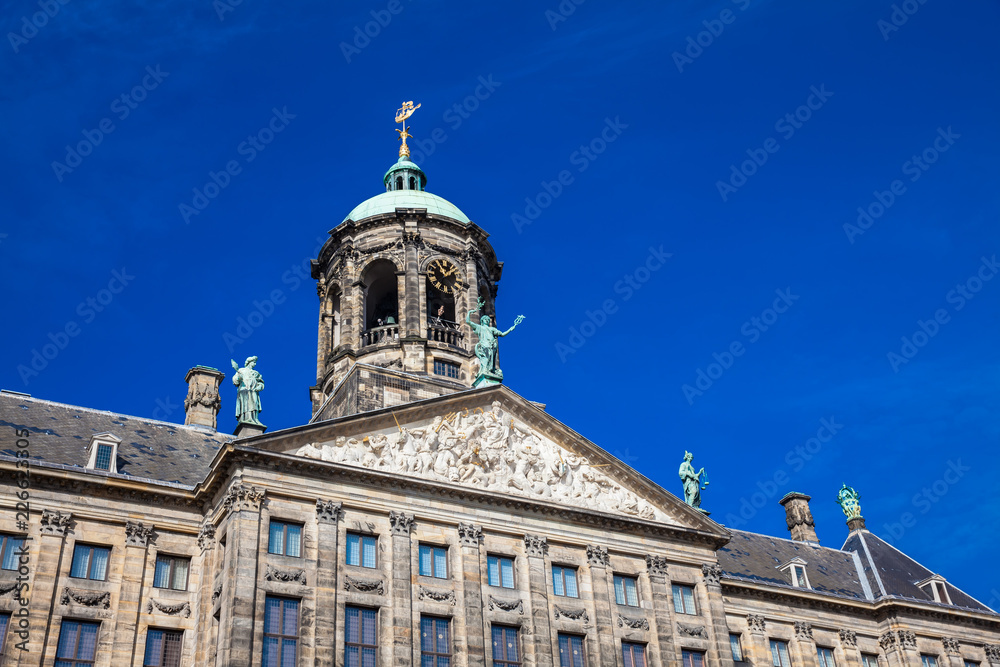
x=489 y=343
x=249 y=384
x=849 y=501
x=692 y=481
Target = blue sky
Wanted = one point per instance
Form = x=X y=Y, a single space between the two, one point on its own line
x=867 y=102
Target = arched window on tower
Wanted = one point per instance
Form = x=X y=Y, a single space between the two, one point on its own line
x=335 y=329
x=381 y=322
x=399 y=182
x=413 y=183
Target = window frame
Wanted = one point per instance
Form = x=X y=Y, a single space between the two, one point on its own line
x=448 y=367
x=622 y=578
x=434 y=548
x=5 y=544
x=736 y=647
x=929 y=660
x=449 y=640
x=172 y=571
x=517 y=643
x=284 y=537
x=281 y=625
x=101 y=447
x=691 y=653
x=4 y=627
x=780 y=644
x=631 y=661
x=361 y=549
x=90 y=560
x=677 y=591
x=563 y=569
x=499 y=565
x=361 y=632
x=830 y=660
x=869 y=656
x=74 y=661
x=163 y=647
x=570 y=638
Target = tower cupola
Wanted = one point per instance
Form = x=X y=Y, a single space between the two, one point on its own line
x=405 y=175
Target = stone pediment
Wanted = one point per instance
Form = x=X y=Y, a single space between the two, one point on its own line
x=491 y=449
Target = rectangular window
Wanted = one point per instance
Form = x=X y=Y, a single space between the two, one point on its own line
x=361 y=637
x=90 y=562
x=433 y=561
x=4 y=622
x=779 y=654
x=9 y=548
x=736 y=647
x=684 y=600
x=869 y=660
x=500 y=571
x=77 y=644
x=564 y=581
x=103 y=459
x=163 y=648
x=435 y=642
x=446 y=369
x=626 y=591
x=361 y=549
x=634 y=655
x=968 y=663
x=825 y=657
x=692 y=658
x=506 y=649
x=571 y=651
x=928 y=660
x=285 y=539
x=171 y=572
x=281 y=631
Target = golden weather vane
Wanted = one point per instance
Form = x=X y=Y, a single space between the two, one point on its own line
x=402 y=114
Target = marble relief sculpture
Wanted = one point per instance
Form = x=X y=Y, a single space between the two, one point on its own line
x=490 y=450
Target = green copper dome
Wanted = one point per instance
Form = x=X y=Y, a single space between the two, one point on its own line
x=388 y=202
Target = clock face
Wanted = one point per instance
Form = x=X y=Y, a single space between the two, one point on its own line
x=444 y=276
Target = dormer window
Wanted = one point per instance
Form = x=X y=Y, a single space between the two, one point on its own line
x=796 y=571
x=102 y=454
x=936 y=587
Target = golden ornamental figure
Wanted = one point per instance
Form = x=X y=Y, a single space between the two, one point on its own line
x=402 y=114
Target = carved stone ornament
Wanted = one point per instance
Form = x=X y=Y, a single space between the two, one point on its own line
x=206 y=537
x=243 y=497
x=329 y=511
x=86 y=598
x=712 y=573
x=436 y=596
x=206 y=395
x=470 y=535
x=272 y=573
x=572 y=614
x=656 y=565
x=692 y=631
x=364 y=585
x=55 y=522
x=401 y=523
x=756 y=624
x=634 y=623
x=597 y=556
x=887 y=641
x=536 y=546
x=136 y=534
x=803 y=631
x=992 y=653
x=491 y=451
x=898 y=639
x=507 y=605
x=951 y=645
x=907 y=639
x=849 y=638
x=10 y=586
x=182 y=609
x=217 y=591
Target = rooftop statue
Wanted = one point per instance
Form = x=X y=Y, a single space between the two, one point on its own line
x=249 y=384
x=849 y=501
x=489 y=343
x=402 y=114
x=692 y=481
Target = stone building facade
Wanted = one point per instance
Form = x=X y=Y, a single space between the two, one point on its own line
x=415 y=520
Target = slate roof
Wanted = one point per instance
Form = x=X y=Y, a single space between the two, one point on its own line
x=891 y=573
x=150 y=449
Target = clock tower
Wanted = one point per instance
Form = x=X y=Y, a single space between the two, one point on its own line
x=395 y=281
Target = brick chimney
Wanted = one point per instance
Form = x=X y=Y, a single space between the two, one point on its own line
x=201 y=406
x=799 y=518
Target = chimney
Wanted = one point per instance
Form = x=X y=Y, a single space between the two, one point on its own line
x=799 y=518
x=201 y=406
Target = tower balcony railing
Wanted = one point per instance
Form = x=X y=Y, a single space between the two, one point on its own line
x=379 y=335
x=443 y=331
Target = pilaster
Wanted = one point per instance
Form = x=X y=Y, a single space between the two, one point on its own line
x=849 y=647
x=953 y=650
x=719 y=628
x=656 y=567
x=598 y=561
x=137 y=538
x=536 y=548
x=402 y=588
x=243 y=502
x=471 y=537
x=900 y=648
x=207 y=557
x=328 y=515
x=758 y=646
x=48 y=558
x=805 y=645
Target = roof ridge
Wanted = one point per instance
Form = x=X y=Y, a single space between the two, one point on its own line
x=787 y=539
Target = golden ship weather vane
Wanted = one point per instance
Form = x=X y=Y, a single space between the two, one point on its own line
x=402 y=114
